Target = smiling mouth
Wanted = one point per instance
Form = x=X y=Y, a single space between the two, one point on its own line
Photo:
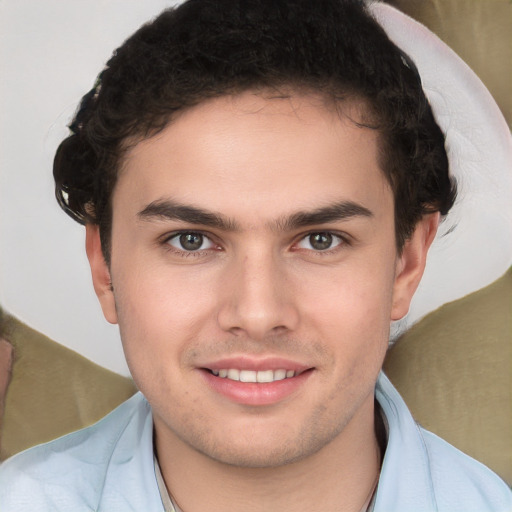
x=260 y=376
x=257 y=383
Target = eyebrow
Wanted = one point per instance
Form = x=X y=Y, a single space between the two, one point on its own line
x=342 y=210
x=170 y=210
x=167 y=209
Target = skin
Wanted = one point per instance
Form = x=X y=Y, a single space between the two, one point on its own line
x=259 y=289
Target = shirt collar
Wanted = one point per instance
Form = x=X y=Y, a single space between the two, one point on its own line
x=406 y=476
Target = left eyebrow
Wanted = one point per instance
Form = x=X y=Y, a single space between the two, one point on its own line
x=342 y=210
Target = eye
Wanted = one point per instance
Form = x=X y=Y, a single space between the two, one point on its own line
x=190 y=242
x=321 y=241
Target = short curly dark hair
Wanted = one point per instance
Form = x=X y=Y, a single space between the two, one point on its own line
x=208 y=48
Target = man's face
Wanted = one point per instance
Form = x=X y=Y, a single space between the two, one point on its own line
x=254 y=237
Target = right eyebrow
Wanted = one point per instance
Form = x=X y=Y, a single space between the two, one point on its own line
x=170 y=210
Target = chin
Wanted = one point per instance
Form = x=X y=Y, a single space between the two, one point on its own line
x=261 y=450
x=255 y=458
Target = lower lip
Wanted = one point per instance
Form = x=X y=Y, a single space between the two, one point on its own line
x=252 y=393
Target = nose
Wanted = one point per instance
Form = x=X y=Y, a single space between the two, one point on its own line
x=257 y=298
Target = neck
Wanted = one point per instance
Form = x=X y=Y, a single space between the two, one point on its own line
x=339 y=477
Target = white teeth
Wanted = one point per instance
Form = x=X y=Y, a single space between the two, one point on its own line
x=280 y=374
x=247 y=376
x=233 y=374
x=265 y=376
x=261 y=376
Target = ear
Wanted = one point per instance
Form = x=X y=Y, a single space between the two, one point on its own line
x=100 y=273
x=411 y=264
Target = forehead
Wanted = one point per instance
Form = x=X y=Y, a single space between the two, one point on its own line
x=267 y=152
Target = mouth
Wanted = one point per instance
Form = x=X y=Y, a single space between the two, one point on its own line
x=256 y=383
x=259 y=376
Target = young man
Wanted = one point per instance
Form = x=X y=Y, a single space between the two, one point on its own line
x=260 y=183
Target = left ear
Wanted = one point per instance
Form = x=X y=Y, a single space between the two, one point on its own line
x=411 y=264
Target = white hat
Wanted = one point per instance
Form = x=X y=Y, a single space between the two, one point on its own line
x=474 y=244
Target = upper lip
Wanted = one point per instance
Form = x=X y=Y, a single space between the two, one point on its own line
x=256 y=364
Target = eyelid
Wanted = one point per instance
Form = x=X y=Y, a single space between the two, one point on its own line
x=165 y=240
x=344 y=240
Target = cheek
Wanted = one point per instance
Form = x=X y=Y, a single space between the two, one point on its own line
x=352 y=309
x=158 y=296
x=160 y=315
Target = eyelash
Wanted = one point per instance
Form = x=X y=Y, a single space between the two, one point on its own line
x=183 y=252
x=344 y=241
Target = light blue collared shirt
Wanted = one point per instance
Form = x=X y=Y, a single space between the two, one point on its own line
x=109 y=467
